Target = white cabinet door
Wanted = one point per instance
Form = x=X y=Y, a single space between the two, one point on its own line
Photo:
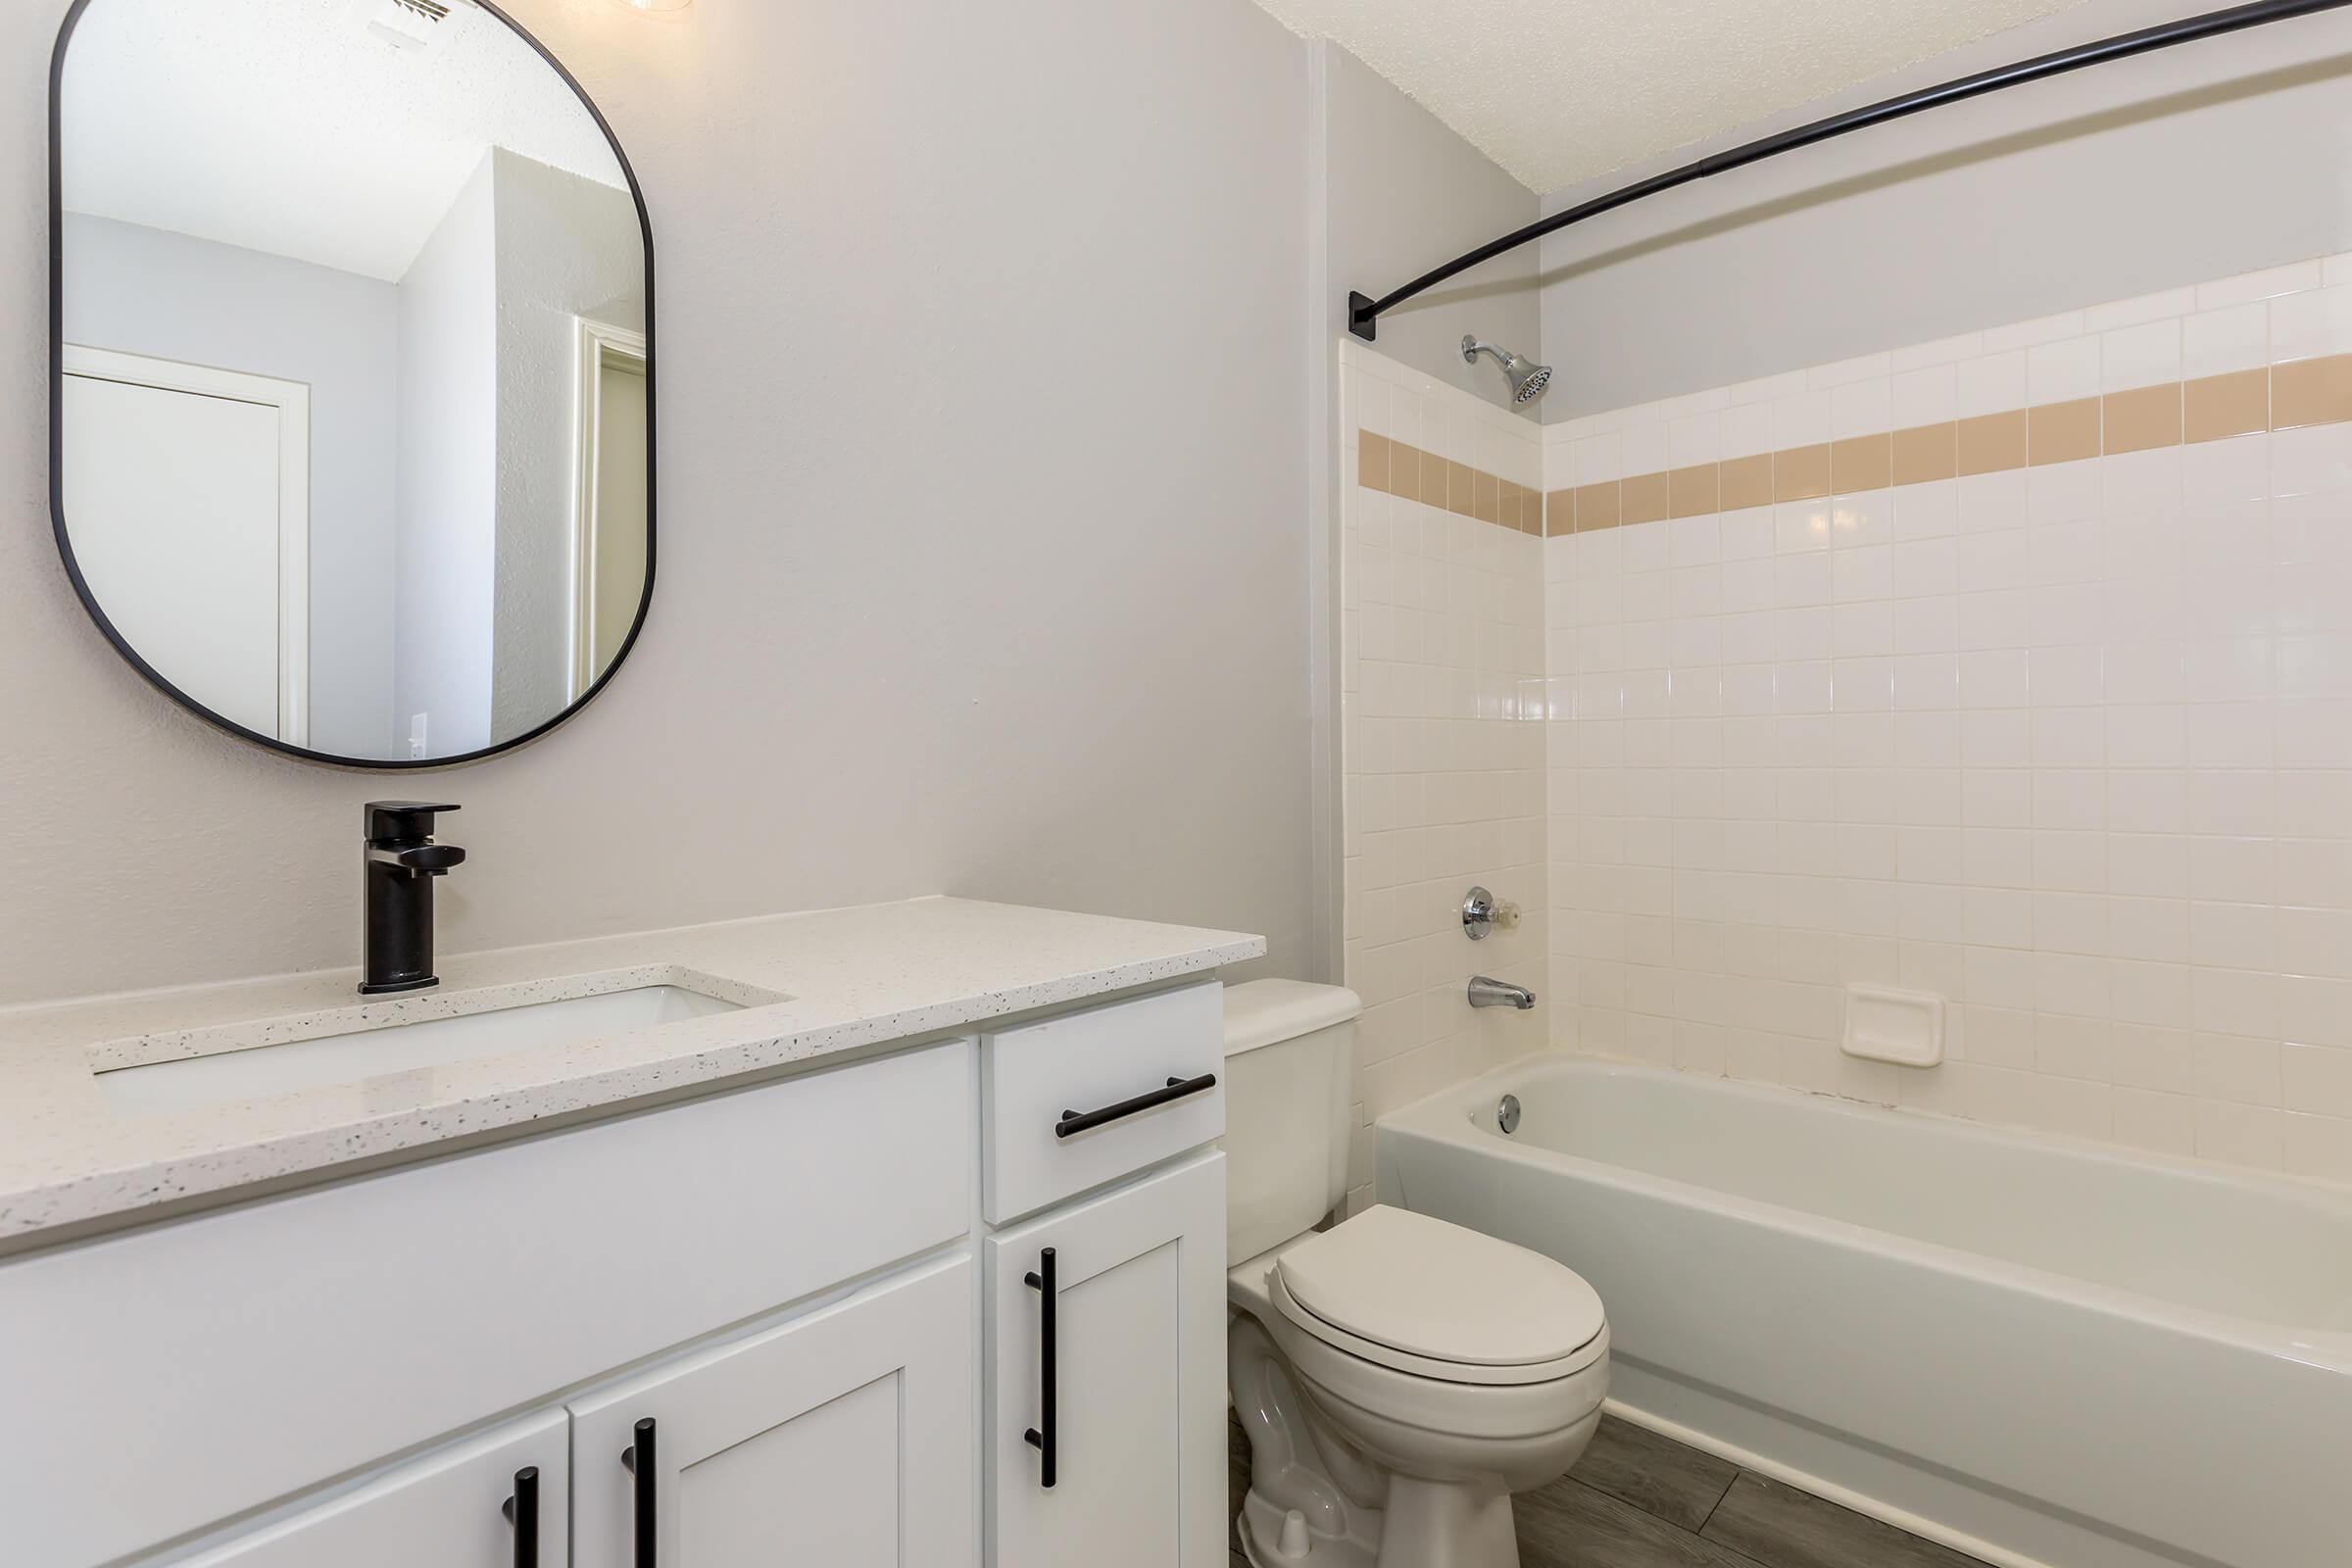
x=842 y=1437
x=1136 y=1418
x=452 y=1509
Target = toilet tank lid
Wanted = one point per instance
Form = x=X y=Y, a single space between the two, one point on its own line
x=1265 y=1013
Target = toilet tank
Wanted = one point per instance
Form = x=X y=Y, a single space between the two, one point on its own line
x=1289 y=1061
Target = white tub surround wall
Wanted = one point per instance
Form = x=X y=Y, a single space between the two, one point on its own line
x=1442 y=748
x=2016 y=667
x=846 y=979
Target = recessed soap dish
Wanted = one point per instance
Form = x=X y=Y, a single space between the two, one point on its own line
x=1886 y=1024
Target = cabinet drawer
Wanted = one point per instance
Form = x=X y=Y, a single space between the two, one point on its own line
x=320 y=1332
x=1098 y=1062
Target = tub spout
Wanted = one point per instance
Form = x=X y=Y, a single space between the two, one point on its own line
x=1486 y=993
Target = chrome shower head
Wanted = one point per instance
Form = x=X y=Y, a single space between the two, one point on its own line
x=1528 y=379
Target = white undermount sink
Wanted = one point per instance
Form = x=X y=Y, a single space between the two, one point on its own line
x=228 y=1076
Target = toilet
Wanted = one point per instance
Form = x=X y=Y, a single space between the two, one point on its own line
x=1398 y=1377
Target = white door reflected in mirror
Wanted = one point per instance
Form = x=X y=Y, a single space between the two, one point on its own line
x=356 y=390
x=191 y=492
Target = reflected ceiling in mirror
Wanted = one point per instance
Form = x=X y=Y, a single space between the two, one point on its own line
x=353 y=382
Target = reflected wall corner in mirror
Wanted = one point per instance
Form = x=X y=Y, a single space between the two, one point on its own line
x=352 y=383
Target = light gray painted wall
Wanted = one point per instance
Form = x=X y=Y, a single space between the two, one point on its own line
x=946 y=602
x=567 y=247
x=2199 y=162
x=1406 y=194
x=448 y=546
x=176 y=297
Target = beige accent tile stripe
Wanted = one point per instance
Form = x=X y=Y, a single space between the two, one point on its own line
x=1800 y=473
x=1746 y=482
x=2311 y=392
x=1396 y=469
x=1864 y=462
x=2062 y=433
x=2217 y=407
x=1694 y=492
x=1925 y=452
x=1990 y=443
x=2143 y=420
x=2213 y=408
x=1598 y=505
x=1648 y=498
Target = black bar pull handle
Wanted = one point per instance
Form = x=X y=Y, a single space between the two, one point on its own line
x=522 y=1512
x=1043 y=1436
x=1074 y=1123
x=638 y=1459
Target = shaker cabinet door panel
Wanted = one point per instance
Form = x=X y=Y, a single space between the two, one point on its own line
x=842 y=1437
x=1136 y=1422
x=452 y=1509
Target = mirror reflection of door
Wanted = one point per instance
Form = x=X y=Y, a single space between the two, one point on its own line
x=608 y=528
x=189 y=488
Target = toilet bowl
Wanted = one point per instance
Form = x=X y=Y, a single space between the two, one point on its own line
x=1398 y=1377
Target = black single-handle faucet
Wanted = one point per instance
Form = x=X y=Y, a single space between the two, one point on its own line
x=401 y=861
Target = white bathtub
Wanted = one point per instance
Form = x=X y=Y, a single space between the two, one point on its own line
x=2038 y=1351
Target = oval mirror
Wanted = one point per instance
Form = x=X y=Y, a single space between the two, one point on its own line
x=352 y=393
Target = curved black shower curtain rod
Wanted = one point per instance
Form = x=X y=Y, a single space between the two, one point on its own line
x=1364 y=311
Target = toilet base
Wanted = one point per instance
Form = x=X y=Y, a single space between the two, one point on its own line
x=1427 y=1523
x=1448 y=1524
x=1263 y=1521
x=1353 y=1510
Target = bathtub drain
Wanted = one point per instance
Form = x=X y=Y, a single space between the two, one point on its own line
x=1506 y=1114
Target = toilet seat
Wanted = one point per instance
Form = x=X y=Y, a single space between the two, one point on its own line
x=1432 y=1300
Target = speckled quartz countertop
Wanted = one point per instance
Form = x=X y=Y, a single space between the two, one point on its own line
x=70 y=1160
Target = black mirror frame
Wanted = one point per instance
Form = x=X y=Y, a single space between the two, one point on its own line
x=57 y=427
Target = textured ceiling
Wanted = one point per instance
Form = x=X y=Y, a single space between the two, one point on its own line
x=1559 y=90
x=286 y=127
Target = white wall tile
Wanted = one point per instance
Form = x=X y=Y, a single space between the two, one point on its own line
x=2307 y=326
x=1991 y=384
x=1445 y=657
x=2260 y=285
x=2146 y=355
x=1861 y=407
x=2072 y=746
x=2031 y=334
x=2062 y=371
x=2223 y=341
x=2172 y=303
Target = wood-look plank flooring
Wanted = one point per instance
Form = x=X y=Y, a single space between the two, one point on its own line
x=1640 y=1501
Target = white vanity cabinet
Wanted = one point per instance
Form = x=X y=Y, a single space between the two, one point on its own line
x=789 y=1306
x=1106 y=1431
x=162 y=1380
x=842 y=1437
